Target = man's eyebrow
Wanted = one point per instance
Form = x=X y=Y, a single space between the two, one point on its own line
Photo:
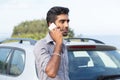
x=65 y=20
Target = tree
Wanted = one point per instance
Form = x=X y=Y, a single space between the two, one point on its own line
x=35 y=29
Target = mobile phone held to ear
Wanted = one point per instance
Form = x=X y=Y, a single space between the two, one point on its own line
x=52 y=26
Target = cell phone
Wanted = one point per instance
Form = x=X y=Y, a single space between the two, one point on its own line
x=52 y=26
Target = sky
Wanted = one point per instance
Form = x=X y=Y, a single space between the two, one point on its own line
x=87 y=17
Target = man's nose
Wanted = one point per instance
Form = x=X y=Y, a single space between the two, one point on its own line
x=66 y=24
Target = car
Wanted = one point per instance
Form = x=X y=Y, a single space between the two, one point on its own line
x=89 y=59
x=17 y=60
x=92 y=60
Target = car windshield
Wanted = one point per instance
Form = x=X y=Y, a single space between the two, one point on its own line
x=89 y=65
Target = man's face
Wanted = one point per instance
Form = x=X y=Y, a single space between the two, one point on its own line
x=62 y=23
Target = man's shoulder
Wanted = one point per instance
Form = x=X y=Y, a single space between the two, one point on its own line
x=41 y=41
x=40 y=44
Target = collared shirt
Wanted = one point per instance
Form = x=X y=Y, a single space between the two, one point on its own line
x=43 y=51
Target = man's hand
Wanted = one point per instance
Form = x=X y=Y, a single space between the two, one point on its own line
x=56 y=35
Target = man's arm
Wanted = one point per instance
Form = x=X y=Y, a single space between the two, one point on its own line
x=54 y=62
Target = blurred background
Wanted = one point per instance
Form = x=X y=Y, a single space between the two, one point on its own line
x=99 y=19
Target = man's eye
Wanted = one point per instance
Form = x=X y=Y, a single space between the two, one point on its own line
x=62 y=21
x=68 y=20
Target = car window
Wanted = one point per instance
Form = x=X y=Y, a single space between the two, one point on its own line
x=83 y=57
x=108 y=62
x=12 y=61
x=17 y=63
x=4 y=53
x=86 y=65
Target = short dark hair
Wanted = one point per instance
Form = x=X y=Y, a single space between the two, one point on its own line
x=54 y=12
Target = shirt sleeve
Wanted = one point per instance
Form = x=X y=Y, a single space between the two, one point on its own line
x=41 y=55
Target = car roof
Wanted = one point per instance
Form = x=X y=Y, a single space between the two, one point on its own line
x=23 y=43
x=19 y=40
x=18 y=45
x=84 y=40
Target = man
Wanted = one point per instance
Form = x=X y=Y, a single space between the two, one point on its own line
x=50 y=52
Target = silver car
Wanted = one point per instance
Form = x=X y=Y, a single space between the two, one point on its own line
x=17 y=60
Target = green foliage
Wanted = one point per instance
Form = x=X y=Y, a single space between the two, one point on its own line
x=35 y=29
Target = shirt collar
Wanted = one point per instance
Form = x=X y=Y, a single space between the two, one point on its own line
x=48 y=38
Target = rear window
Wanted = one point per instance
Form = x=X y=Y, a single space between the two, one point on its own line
x=93 y=63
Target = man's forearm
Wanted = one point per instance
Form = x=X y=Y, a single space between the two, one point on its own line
x=53 y=64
